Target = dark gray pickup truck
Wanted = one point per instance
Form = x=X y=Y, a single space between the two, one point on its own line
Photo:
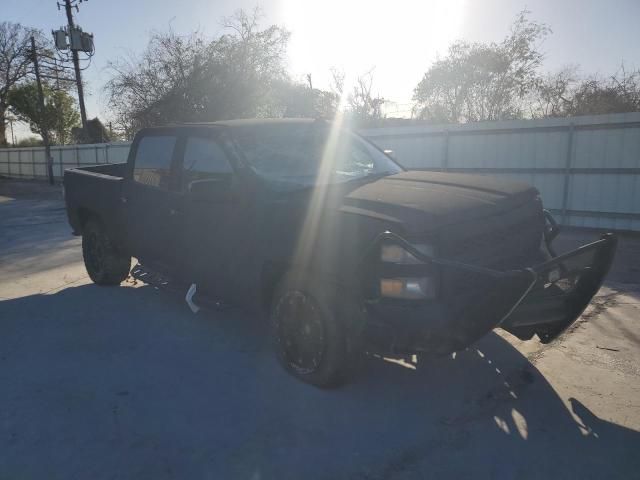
x=345 y=250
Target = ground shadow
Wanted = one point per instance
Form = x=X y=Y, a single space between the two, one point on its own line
x=126 y=382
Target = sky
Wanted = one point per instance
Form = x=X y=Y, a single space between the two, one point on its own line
x=398 y=40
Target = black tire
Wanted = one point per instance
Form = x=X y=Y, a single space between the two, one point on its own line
x=313 y=337
x=104 y=263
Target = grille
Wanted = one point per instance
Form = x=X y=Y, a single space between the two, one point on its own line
x=508 y=240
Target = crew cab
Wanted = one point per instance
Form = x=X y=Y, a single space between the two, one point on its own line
x=339 y=246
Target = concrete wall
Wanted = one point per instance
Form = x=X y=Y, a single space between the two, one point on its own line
x=29 y=163
x=586 y=168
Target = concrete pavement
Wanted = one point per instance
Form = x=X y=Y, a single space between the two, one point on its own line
x=126 y=382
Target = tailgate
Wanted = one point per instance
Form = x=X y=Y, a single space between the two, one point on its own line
x=93 y=190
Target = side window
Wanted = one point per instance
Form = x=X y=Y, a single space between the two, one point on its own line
x=203 y=159
x=153 y=160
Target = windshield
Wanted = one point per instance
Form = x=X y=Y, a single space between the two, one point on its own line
x=307 y=154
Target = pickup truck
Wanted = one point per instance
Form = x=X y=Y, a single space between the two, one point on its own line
x=341 y=248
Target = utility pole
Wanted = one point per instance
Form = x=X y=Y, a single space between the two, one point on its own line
x=13 y=138
x=60 y=119
x=76 y=66
x=43 y=117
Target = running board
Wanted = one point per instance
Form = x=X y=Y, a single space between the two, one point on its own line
x=154 y=278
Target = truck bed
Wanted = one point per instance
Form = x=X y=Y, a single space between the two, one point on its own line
x=94 y=191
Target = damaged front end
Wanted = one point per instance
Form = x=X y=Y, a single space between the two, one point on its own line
x=454 y=304
x=563 y=288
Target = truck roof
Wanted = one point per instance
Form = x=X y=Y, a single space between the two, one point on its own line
x=252 y=122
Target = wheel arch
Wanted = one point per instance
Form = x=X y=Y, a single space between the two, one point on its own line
x=84 y=216
x=273 y=273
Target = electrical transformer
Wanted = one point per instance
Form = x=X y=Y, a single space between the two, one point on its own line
x=60 y=39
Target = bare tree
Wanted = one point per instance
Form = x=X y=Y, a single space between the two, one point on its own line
x=564 y=94
x=337 y=81
x=619 y=93
x=143 y=88
x=365 y=107
x=553 y=93
x=192 y=78
x=15 y=65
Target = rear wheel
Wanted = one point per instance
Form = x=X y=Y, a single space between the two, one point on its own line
x=311 y=337
x=104 y=263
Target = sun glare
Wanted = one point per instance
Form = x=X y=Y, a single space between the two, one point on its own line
x=309 y=231
x=399 y=39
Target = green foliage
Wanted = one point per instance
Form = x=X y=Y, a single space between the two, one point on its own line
x=478 y=81
x=95 y=133
x=15 y=64
x=290 y=99
x=60 y=114
x=240 y=74
x=499 y=81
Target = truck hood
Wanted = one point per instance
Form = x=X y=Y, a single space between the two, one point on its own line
x=424 y=201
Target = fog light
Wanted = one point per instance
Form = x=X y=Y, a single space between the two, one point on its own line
x=407 y=288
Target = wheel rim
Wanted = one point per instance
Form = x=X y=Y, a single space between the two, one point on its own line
x=96 y=252
x=300 y=332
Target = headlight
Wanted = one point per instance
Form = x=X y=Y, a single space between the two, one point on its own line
x=408 y=288
x=396 y=254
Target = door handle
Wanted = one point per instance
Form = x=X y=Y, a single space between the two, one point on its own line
x=123 y=199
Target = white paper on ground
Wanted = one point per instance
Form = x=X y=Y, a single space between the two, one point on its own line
x=189 y=298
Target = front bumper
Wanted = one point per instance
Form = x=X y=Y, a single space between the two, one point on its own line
x=543 y=300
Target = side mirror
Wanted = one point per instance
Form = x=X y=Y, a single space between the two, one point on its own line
x=213 y=188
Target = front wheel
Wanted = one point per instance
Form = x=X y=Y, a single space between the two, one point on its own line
x=311 y=334
x=104 y=263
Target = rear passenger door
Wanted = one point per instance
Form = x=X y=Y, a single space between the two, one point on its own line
x=151 y=198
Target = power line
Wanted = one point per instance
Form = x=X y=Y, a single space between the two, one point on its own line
x=78 y=41
x=52 y=77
